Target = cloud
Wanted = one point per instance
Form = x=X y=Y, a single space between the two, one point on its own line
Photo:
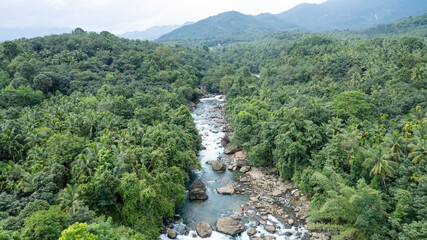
x=119 y=16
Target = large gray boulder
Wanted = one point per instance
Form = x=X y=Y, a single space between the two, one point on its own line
x=197 y=191
x=203 y=229
x=230 y=150
x=230 y=225
x=225 y=140
x=219 y=166
x=228 y=190
x=242 y=162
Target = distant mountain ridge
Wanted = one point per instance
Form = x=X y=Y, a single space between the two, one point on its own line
x=230 y=24
x=152 y=33
x=327 y=16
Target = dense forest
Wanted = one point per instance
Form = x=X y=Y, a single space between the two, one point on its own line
x=96 y=135
x=97 y=140
x=342 y=116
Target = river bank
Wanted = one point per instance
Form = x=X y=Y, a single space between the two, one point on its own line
x=268 y=194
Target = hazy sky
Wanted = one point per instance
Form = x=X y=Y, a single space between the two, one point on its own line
x=118 y=16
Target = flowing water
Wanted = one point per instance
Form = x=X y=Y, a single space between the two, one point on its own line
x=206 y=118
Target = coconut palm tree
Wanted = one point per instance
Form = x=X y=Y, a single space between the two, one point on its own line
x=379 y=164
x=394 y=142
x=69 y=198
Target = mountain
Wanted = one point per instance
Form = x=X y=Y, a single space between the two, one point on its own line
x=152 y=33
x=16 y=33
x=230 y=24
x=351 y=14
x=327 y=16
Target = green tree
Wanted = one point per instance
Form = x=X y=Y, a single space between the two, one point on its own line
x=77 y=231
x=351 y=104
x=45 y=224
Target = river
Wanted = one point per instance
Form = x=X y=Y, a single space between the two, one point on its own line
x=206 y=118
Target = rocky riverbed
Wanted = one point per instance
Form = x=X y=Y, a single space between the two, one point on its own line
x=268 y=209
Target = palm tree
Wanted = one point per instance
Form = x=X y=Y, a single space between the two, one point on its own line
x=419 y=152
x=418 y=73
x=394 y=142
x=379 y=165
x=68 y=198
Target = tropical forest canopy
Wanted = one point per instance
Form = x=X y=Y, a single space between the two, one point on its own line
x=97 y=140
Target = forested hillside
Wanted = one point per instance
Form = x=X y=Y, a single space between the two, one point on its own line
x=97 y=140
x=95 y=135
x=343 y=117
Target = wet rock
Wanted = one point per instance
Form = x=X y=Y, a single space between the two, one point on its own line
x=288 y=234
x=230 y=225
x=197 y=191
x=225 y=140
x=291 y=221
x=228 y=190
x=218 y=166
x=263 y=222
x=270 y=228
x=204 y=229
x=209 y=162
x=251 y=231
x=245 y=169
x=269 y=238
x=256 y=238
x=172 y=234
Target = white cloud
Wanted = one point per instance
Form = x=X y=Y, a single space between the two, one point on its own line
x=118 y=16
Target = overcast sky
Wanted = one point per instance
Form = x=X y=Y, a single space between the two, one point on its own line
x=119 y=16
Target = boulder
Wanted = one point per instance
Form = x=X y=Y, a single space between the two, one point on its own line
x=245 y=169
x=254 y=198
x=197 y=191
x=230 y=150
x=269 y=238
x=251 y=231
x=218 y=166
x=172 y=234
x=245 y=179
x=270 y=228
x=225 y=140
x=242 y=162
x=256 y=238
x=204 y=229
x=230 y=225
x=228 y=190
